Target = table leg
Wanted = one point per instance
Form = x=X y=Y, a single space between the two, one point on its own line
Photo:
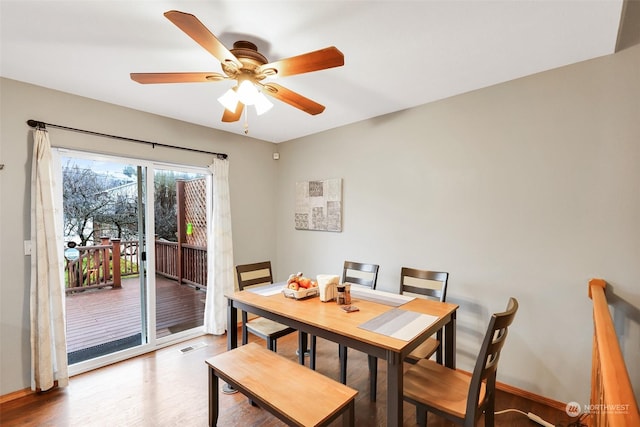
x=232 y=328
x=349 y=417
x=450 y=342
x=232 y=337
x=342 y=355
x=213 y=398
x=394 y=390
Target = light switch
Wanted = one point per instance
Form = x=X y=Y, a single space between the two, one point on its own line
x=27 y=247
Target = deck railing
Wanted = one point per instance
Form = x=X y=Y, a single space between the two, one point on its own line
x=91 y=269
x=167 y=259
x=182 y=262
x=129 y=257
x=103 y=265
x=612 y=400
x=194 y=265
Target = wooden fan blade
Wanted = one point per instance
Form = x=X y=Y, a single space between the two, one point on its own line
x=292 y=98
x=149 y=78
x=198 y=32
x=229 y=116
x=313 y=61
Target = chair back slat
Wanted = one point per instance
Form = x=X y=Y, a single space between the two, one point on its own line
x=419 y=282
x=368 y=273
x=258 y=273
x=487 y=362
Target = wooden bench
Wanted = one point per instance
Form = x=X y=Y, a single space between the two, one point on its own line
x=297 y=395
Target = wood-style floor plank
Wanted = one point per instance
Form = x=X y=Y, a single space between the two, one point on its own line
x=169 y=388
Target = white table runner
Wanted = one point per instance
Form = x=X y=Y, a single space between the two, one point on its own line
x=267 y=290
x=382 y=297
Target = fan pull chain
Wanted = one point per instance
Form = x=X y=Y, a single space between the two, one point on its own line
x=246 y=121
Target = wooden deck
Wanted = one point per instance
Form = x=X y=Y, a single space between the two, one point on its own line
x=99 y=316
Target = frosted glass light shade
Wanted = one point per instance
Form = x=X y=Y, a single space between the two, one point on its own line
x=247 y=93
x=229 y=100
x=262 y=104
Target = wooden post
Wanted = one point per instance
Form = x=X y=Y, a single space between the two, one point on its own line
x=612 y=383
x=182 y=227
x=115 y=254
x=105 y=266
x=94 y=269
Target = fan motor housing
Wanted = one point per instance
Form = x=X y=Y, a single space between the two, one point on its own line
x=247 y=53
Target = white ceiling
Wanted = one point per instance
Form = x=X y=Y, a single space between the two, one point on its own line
x=398 y=54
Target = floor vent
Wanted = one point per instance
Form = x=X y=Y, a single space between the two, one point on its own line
x=193 y=347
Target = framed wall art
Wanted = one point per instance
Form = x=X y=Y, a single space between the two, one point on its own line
x=319 y=205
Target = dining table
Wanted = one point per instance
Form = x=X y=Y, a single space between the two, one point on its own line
x=386 y=325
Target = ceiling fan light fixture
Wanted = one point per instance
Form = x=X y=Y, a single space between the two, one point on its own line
x=262 y=104
x=247 y=92
x=229 y=100
x=248 y=68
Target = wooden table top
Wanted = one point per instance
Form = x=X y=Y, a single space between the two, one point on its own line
x=329 y=315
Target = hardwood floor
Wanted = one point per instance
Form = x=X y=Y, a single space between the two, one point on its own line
x=169 y=388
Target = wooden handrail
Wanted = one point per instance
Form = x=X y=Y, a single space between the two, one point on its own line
x=612 y=400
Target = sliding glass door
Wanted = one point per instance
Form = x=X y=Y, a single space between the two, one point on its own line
x=180 y=207
x=135 y=255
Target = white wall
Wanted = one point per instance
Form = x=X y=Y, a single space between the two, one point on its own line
x=252 y=185
x=526 y=189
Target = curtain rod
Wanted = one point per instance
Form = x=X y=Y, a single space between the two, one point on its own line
x=43 y=125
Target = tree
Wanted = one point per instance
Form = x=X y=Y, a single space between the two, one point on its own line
x=122 y=216
x=165 y=205
x=98 y=203
x=85 y=196
x=129 y=171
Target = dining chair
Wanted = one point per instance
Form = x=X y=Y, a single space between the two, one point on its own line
x=454 y=394
x=365 y=275
x=431 y=285
x=255 y=274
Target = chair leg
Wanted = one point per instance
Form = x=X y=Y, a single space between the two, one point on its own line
x=245 y=332
x=439 y=349
x=271 y=345
x=342 y=354
x=489 y=411
x=373 y=377
x=302 y=345
x=489 y=419
x=312 y=351
x=245 y=335
x=421 y=416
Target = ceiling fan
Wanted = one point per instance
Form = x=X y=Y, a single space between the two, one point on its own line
x=249 y=68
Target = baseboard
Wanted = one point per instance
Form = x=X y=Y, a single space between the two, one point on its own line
x=561 y=406
x=24 y=393
x=15 y=395
x=531 y=396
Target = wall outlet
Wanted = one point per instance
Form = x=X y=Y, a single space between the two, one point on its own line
x=27 y=247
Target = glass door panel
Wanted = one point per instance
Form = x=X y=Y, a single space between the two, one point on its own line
x=180 y=211
x=103 y=219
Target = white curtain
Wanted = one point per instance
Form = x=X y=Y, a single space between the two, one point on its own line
x=48 y=338
x=220 y=249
